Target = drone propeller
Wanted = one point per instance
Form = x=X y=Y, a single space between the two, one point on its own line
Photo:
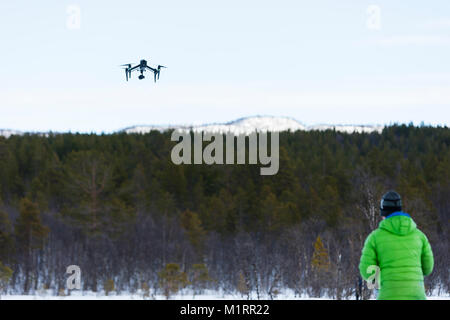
x=127 y=71
x=160 y=66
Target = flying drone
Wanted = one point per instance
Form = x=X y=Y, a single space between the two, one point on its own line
x=142 y=67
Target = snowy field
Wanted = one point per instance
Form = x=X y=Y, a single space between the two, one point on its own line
x=183 y=295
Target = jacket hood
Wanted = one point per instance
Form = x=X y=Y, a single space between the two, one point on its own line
x=398 y=223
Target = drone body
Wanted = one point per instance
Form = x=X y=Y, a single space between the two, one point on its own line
x=142 y=67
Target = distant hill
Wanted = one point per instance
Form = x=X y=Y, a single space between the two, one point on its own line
x=256 y=123
x=7 y=132
x=245 y=125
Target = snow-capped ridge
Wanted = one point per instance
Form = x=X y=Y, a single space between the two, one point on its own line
x=8 y=132
x=239 y=126
x=256 y=124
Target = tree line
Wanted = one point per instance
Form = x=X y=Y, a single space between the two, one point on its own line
x=117 y=206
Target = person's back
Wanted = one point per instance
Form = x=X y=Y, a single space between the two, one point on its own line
x=403 y=254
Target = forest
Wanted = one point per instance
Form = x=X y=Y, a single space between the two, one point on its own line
x=116 y=206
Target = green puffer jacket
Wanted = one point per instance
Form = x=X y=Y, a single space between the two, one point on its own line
x=404 y=256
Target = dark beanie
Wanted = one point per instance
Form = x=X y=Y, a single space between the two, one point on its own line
x=391 y=202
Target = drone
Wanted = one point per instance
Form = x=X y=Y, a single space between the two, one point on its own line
x=142 y=67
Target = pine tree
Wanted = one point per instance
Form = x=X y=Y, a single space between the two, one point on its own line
x=108 y=286
x=320 y=261
x=30 y=235
x=145 y=289
x=5 y=276
x=6 y=237
x=194 y=230
x=320 y=264
x=92 y=203
x=172 y=279
x=242 y=285
x=199 y=277
x=88 y=178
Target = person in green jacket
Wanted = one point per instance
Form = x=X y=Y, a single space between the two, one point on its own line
x=400 y=251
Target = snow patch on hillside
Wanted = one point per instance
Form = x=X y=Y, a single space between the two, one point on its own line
x=7 y=132
x=257 y=124
x=240 y=126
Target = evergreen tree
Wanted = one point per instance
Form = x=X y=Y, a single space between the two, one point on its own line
x=199 y=277
x=30 y=235
x=94 y=202
x=108 y=286
x=5 y=276
x=242 y=285
x=172 y=279
x=320 y=260
x=193 y=228
x=320 y=264
x=6 y=237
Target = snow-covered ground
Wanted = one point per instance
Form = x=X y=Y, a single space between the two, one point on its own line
x=183 y=295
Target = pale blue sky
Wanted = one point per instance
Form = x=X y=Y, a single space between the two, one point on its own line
x=315 y=61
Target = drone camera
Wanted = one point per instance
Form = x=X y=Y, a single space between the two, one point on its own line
x=141 y=77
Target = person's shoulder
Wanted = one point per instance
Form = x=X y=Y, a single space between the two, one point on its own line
x=374 y=234
x=421 y=234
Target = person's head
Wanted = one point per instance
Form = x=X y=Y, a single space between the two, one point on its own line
x=391 y=202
